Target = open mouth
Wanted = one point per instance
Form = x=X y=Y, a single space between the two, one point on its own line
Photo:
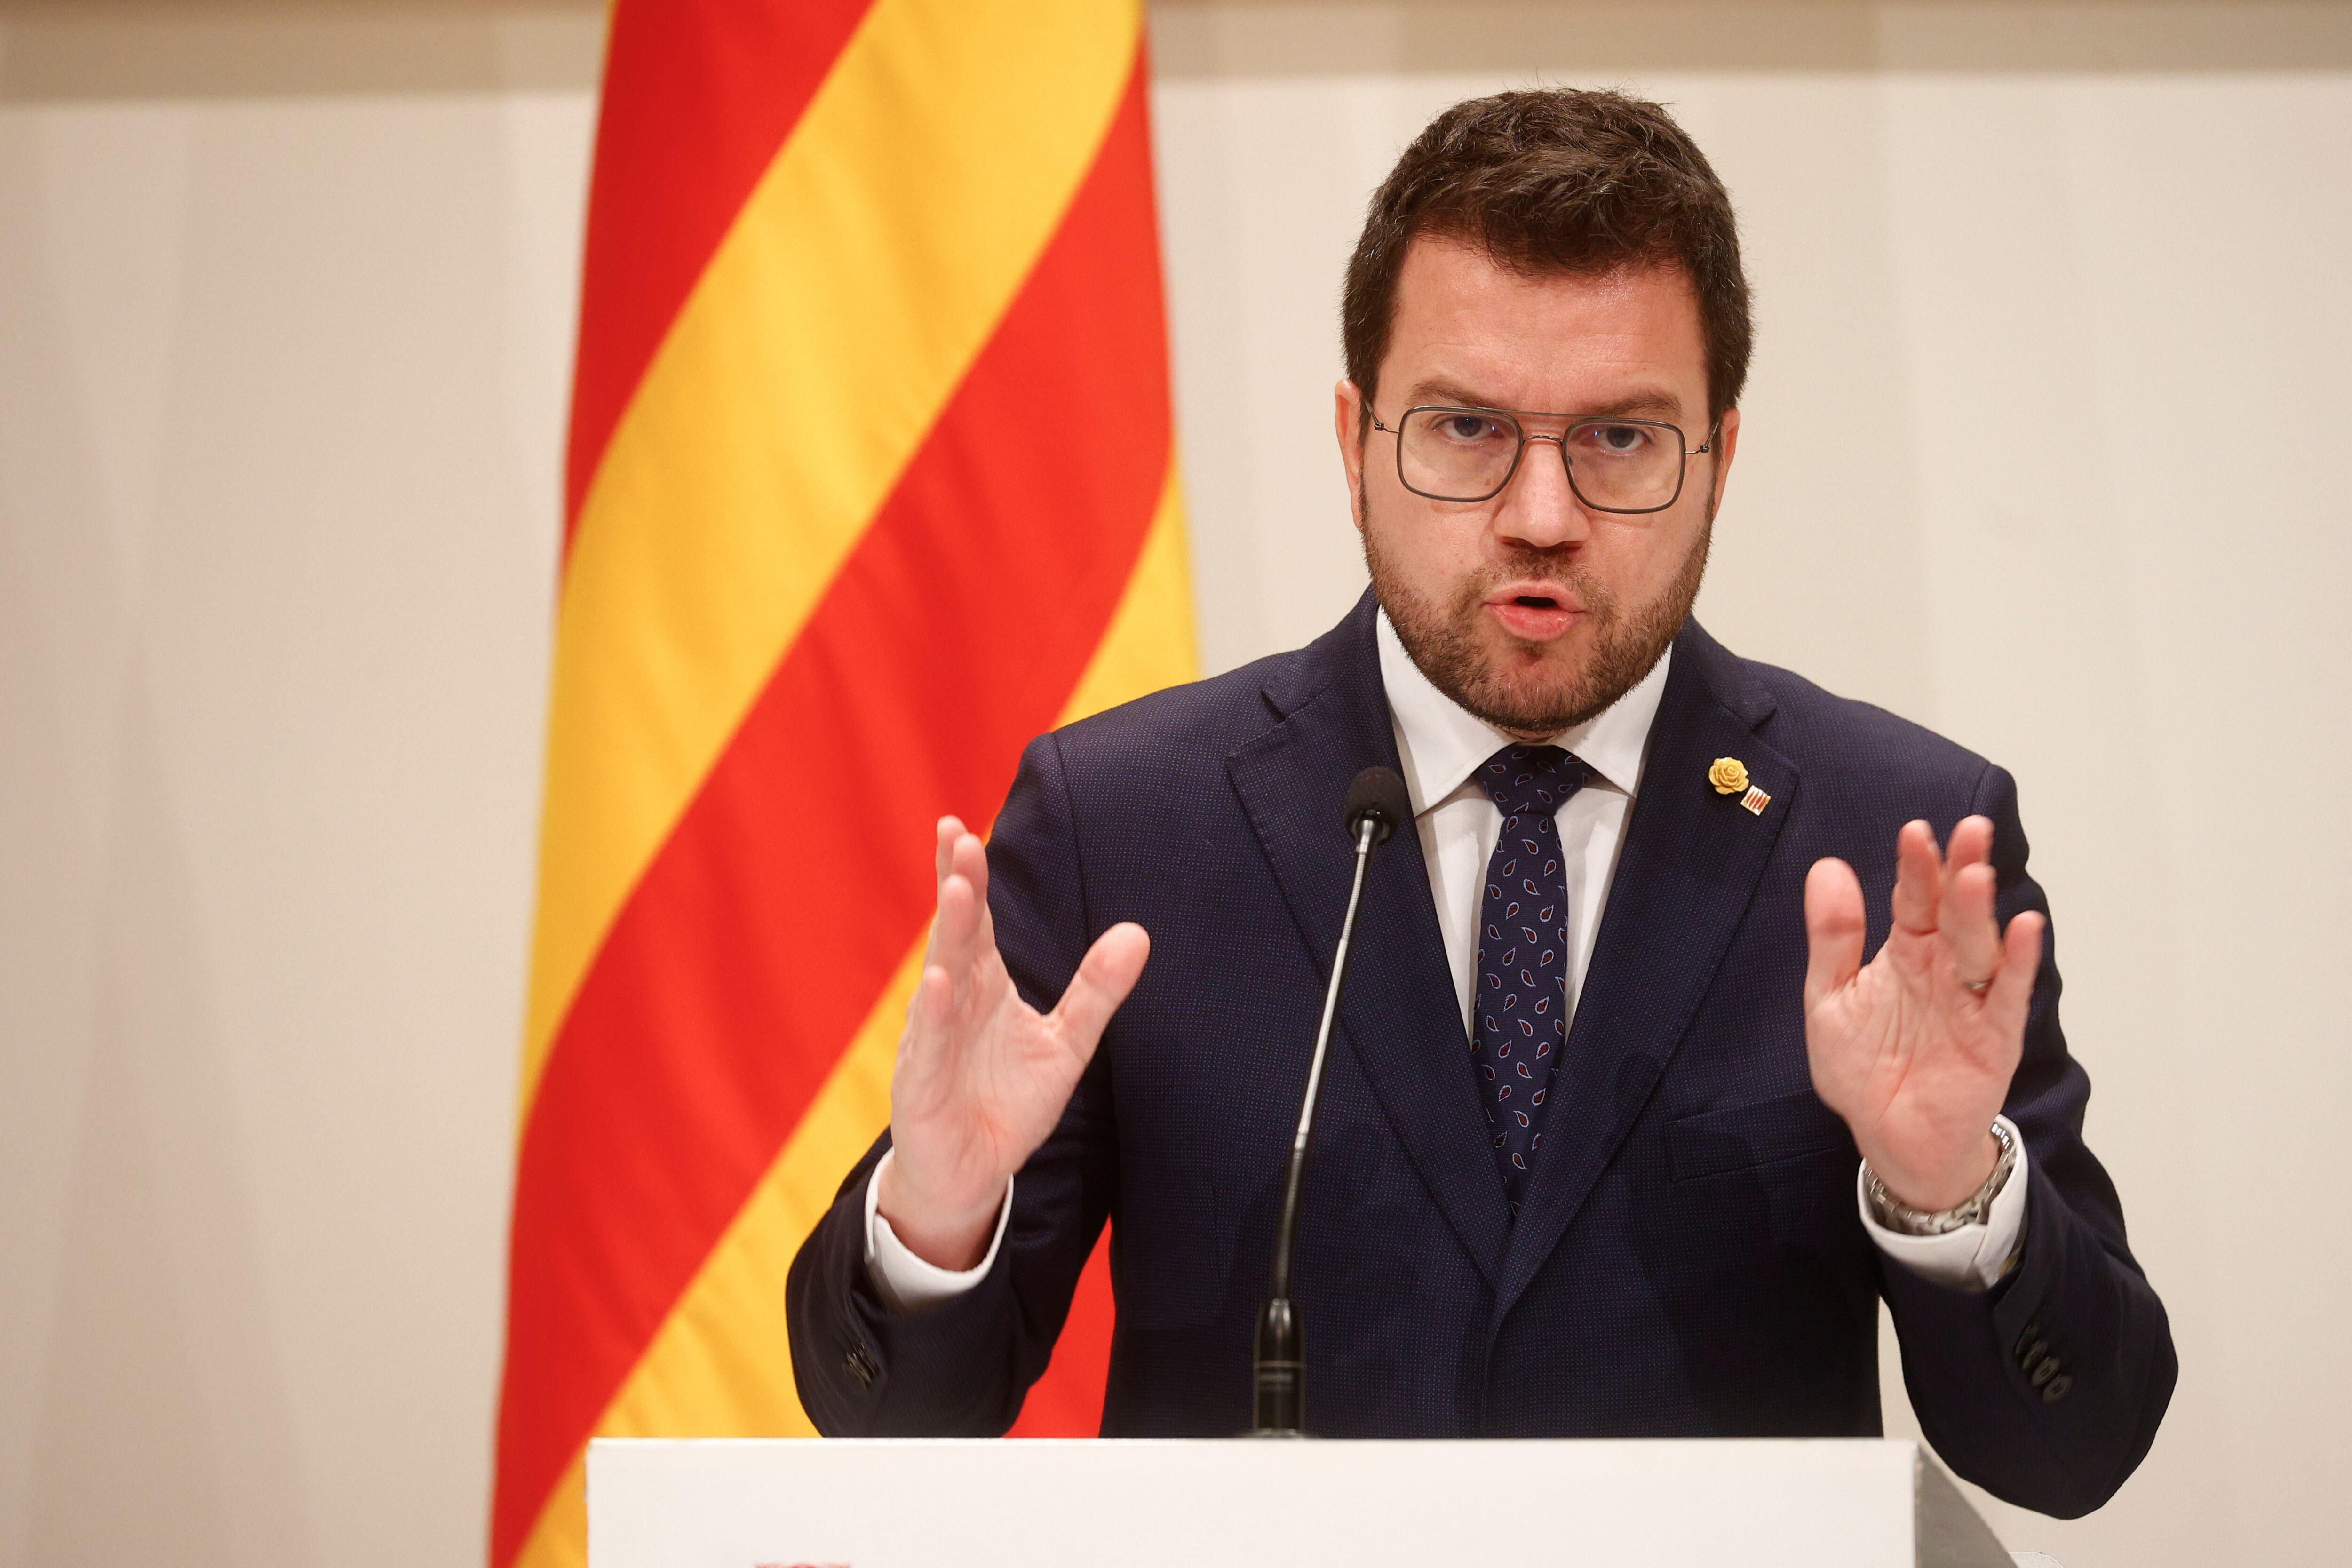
x=1533 y=611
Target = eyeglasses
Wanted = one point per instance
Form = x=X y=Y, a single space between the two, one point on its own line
x=1628 y=466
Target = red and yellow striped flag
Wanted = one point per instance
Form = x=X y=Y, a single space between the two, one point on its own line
x=871 y=480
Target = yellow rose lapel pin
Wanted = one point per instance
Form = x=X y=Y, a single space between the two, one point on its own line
x=1729 y=777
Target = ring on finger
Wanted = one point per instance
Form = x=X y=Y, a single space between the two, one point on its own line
x=1974 y=987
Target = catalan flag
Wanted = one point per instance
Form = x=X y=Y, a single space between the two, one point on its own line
x=871 y=479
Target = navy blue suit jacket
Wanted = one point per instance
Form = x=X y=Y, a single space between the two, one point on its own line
x=1688 y=1259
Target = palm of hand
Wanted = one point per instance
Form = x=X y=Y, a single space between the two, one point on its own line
x=978 y=1109
x=1907 y=1051
x=1916 y=1060
x=982 y=1076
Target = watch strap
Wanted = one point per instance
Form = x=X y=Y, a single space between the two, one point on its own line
x=1903 y=1220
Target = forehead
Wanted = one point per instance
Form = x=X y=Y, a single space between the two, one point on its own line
x=1467 y=326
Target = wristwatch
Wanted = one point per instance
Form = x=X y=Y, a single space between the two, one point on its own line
x=1900 y=1217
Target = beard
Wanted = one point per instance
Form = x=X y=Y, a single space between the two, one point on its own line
x=1517 y=689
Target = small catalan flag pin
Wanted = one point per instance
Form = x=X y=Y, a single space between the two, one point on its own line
x=1756 y=800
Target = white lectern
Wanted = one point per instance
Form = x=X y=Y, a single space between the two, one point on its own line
x=1796 y=1503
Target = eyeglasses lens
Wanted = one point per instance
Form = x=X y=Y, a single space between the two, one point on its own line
x=1466 y=455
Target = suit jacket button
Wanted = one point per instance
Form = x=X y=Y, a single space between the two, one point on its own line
x=860 y=1366
x=2056 y=1389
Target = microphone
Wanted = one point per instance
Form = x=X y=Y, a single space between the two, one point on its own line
x=1377 y=806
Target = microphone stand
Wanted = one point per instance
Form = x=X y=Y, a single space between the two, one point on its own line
x=1280 y=1368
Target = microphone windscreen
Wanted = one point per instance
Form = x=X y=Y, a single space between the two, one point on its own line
x=1378 y=793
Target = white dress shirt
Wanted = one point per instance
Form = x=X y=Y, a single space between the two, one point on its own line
x=1441 y=744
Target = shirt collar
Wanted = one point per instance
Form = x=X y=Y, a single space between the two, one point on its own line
x=1441 y=743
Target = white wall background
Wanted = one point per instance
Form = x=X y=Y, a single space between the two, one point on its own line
x=2042 y=450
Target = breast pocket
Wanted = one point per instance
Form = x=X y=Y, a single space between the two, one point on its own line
x=1791 y=1127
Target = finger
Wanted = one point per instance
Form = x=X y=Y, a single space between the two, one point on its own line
x=969 y=859
x=972 y=864
x=1969 y=925
x=1918 y=879
x=1971 y=843
x=1834 y=928
x=1105 y=976
x=926 y=1039
x=963 y=859
x=2021 y=962
x=955 y=930
x=944 y=834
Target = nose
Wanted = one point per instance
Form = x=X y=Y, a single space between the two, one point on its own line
x=1539 y=508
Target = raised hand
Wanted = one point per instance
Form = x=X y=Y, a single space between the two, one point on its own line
x=1916 y=1051
x=982 y=1076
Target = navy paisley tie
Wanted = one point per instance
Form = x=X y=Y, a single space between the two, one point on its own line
x=1520 y=1021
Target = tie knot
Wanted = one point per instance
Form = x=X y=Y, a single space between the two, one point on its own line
x=1531 y=780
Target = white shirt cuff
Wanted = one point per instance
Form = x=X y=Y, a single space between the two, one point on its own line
x=1969 y=1259
x=904 y=1281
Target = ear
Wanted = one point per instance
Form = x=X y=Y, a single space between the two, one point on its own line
x=1726 y=442
x=1348 y=424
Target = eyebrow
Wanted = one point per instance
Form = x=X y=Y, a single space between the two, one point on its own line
x=1640 y=403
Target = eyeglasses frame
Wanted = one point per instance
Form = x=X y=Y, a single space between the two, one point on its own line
x=1518 y=419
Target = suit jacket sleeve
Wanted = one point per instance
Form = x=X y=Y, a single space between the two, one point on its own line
x=960 y=1369
x=2046 y=1389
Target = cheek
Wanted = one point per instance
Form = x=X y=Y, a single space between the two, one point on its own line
x=1435 y=549
x=1640 y=562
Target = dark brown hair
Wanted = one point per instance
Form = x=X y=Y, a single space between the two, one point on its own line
x=1556 y=180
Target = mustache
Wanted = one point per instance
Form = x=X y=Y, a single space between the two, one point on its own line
x=1546 y=566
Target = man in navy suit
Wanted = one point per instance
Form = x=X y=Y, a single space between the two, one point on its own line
x=1620 y=1135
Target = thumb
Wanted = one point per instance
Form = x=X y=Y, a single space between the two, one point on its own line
x=1105 y=976
x=1834 y=928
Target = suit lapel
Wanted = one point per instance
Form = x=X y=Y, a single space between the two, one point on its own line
x=1684 y=877
x=1398 y=1013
